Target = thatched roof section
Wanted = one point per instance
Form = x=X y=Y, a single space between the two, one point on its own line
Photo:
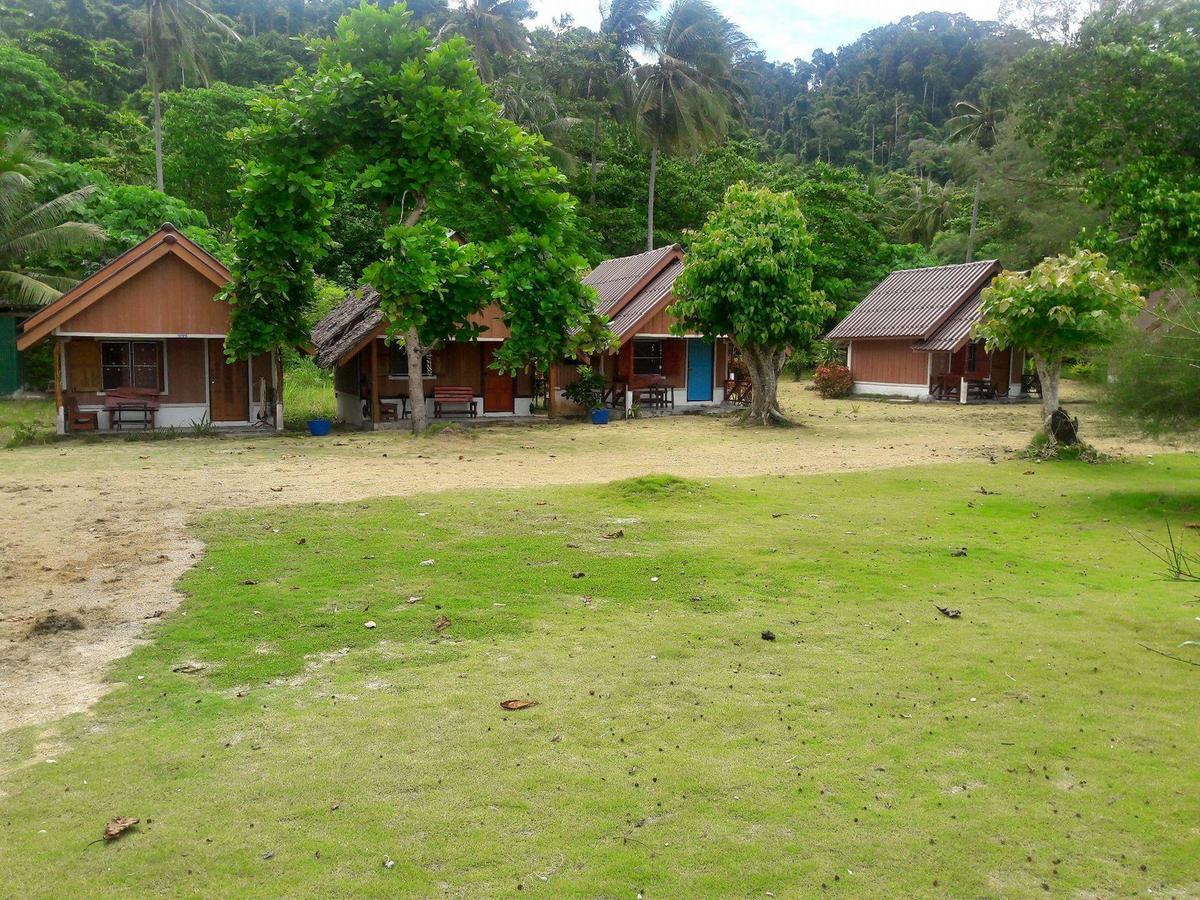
x=350 y=323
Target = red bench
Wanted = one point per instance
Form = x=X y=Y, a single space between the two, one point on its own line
x=457 y=396
x=131 y=405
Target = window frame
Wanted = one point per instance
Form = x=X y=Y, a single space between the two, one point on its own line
x=398 y=350
x=660 y=356
x=129 y=344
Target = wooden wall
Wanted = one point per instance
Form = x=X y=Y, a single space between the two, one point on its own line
x=185 y=371
x=888 y=362
x=457 y=364
x=168 y=297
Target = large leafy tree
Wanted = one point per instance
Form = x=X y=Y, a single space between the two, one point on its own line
x=1118 y=105
x=749 y=276
x=417 y=126
x=1064 y=305
x=32 y=230
x=686 y=96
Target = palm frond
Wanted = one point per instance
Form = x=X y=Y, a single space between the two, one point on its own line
x=46 y=215
x=62 y=238
x=20 y=289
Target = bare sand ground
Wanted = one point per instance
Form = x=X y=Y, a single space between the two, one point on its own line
x=99 y=530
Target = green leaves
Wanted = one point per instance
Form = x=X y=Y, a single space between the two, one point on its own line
x=1065 y=304
x=749 y=274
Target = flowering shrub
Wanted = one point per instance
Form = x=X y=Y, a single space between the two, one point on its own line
x=833 y=380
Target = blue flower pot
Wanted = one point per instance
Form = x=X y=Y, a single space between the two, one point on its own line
x=599 y=416
x=319 y=427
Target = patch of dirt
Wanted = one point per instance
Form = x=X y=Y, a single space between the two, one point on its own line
x=100 y=529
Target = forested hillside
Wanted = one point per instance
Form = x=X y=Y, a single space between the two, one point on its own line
x=933 y=139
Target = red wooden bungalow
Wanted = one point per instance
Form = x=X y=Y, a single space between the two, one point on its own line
x=911 y=336
x=649 y=365
x=141 y=344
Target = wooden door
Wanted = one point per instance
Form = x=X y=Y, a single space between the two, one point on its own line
x=497 y=387
x=228 y=386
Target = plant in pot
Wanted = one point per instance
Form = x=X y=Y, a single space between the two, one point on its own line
x=587 y=390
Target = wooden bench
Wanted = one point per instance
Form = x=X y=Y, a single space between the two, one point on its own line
x=457 y=396
x=131 y=405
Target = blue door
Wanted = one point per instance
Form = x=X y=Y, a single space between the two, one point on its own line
x=699 y=370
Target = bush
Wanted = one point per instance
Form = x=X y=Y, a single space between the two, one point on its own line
x=833 y=380
x=586 y=389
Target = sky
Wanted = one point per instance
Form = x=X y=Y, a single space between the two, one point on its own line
x=788 y=29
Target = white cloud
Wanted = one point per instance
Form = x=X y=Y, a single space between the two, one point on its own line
x=787 y=29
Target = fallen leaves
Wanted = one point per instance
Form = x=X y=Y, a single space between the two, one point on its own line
x=517 y=704
x=959 y=551
x=949 y=613
x=118 y=827
x=441 y=623
x=615 y=535
x=189 y=668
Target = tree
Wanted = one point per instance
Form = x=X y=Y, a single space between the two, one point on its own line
x=976 y=126
x=932 y=206
x=628 y=23
x=1117 y=106
x=415 y=124
x=686 y=97
x=494 y=28
x=1155 y=371
x=1064 y=305
x=32 y=230
x=749 y=276
x=172 y=32
x=199 y=163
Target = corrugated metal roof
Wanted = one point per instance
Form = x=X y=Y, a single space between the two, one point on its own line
x=914 y=302
x=956 y=330
x=647 y=299
x=614 y=279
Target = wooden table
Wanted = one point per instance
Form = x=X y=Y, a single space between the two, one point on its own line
x=401 y=404
x=655 y=396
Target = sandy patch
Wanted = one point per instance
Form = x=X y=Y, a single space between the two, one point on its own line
x=98 y=531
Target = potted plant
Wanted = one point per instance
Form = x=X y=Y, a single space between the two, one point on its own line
x=587 y=391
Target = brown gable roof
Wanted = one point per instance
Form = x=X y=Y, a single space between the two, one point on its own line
x=647 y=301
x=166 y=241
x=915 y=303
x=956 y=330
x=617 y=281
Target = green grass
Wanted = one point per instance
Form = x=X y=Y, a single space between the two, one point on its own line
x=874 y=748
x=307 y=393
x=20 y=415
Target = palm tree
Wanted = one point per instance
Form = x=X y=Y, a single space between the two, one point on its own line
x=932 y=207
x=31 y=230
x=172 y=31
x=628 y=23
x=687 y=96
x=975 y=125
x=494 y=28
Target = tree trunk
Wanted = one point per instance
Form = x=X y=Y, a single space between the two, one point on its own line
x=1048 y=369
x=974 y=221
x=650 y=203
x=595 y=141
x=416 y=381
x=158 y=140
x=765 y=366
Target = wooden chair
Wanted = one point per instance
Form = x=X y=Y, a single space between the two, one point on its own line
x=452 y=395
x=78 y=420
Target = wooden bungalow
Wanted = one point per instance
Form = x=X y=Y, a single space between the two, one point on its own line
x=649 y=366
x=911 y=336
x=141 y=344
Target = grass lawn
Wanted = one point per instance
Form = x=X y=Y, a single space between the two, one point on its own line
x=15 y=413
x=875 y=747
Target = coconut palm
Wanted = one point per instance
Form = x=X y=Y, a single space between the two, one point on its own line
x=31 y=230
x=932 y=207
x=975 y=125
x=628 y=23
x=174 y=33
x=494 y=28
x=686 y=97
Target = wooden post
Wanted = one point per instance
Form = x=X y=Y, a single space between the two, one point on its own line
x=59 y=413
x=374 y=382
x=962 y=390
x=551 y=390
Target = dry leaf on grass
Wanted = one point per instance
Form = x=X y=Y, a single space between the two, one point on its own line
x=441 y=623
x=517 y=704
x=118 y=827
x=189 y=668
x=949 y=613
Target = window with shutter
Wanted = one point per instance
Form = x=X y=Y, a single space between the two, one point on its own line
x=83 y=366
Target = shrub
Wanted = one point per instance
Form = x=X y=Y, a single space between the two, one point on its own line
x=833 y=380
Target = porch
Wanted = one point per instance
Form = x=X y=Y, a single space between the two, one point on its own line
x=972 y=373
x=371 y=385
x=116 y=383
